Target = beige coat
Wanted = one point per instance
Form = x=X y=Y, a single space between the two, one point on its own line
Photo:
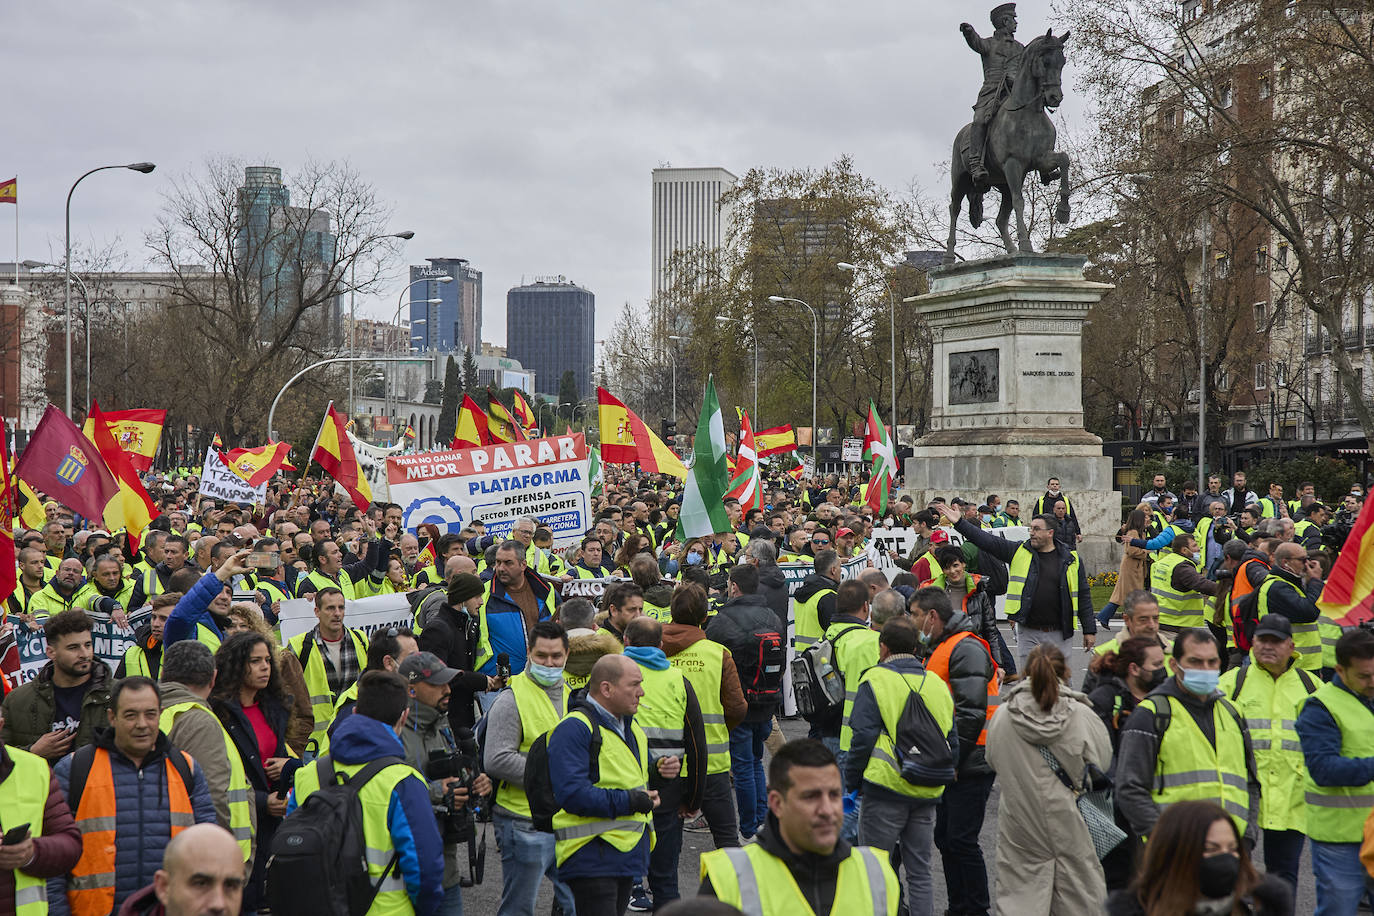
x=1045 y=858
x=1135 y=564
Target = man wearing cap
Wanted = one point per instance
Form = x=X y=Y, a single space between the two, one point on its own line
x=1270 y=693
x=426 y=734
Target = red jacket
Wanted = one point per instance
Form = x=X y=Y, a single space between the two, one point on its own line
x=56 y=851
x=143 y=903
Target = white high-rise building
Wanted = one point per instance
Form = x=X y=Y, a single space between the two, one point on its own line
x=687 y=213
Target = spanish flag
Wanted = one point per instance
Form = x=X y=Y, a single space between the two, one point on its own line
x=524 y=416
x=503 y=426
x=471 y=429
x=776 y=441
x=334 y=453
x=257 y=465
x=218 y=443
x=137 y=432
x=625 y=439
x=131 y=508
x=410 y=431
x=9 y=192
x=1348 y=596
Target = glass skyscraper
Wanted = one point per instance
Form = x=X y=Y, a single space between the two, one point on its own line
x=551 y=328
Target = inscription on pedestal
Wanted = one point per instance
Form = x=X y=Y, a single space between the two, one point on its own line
x=973 y=377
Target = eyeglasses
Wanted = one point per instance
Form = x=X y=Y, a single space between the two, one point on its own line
x=821 y=541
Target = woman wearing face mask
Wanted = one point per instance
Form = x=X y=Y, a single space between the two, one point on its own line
x=1045 y=857
x=1196 y=865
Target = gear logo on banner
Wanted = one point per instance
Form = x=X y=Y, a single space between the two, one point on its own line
x=434 y=510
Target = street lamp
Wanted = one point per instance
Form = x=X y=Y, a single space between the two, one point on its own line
x=892 y=331
x=815 y=363
x=86 y=310
x=145 y=168
x=724 y=319
x=673 y=357
x=407 y=235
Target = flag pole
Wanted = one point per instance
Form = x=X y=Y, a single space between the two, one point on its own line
x=310 y=456
x=16 y=236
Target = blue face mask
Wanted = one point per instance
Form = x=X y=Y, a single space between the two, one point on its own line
x=693 y=558
x=1200 y=681
x=544 y=675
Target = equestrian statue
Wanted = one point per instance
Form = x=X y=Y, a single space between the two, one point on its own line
x=1011 y=134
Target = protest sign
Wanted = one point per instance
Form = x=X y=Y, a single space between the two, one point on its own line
x=372 y=462
x=546 y=479
x=108 y=641
x=380 y=612
x=217 y=480
x=591 y=589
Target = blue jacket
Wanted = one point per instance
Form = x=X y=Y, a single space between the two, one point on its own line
x=866 y=722
x=569 y=757
x=506 y=624
x=1163 y=539
x=193 y=608
x=1321 y=745
x=409 y=817
x=143 y=817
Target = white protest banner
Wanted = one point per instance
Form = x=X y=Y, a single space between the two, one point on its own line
x=219 y=482
x=380 y=612
x=372 y=460
x=546 y=479
x=107 y=640
x=591 y=589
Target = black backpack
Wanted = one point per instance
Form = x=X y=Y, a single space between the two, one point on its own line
x=318 y=860
x=761 y=667
x=923 y=754
x=538 y=780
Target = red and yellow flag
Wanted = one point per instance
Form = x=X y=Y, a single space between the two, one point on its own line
x=9 y=572
x=131 y=508
x=503 y=426
x=471 y=430
x=409 y=432
x=524 y=416
x=1348 y=596
x=334 y=453
x=776 y=441
x=9 y=191
x=137 y=432
x=625 y=439
x=31 y=514
x=257 y=465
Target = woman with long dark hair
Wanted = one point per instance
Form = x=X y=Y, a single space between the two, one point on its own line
x=1195 y=863
x=1135 y=560
x=1046 y=862
x=255 y=708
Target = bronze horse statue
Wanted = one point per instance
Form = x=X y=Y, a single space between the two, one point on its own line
x=1021 y=139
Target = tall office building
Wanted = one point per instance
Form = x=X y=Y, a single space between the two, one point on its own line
x=687 y=213
x=455 y=323
x=551 y=328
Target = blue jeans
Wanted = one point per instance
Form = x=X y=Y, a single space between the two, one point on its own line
x=526 y=855
x=1340 y=878
x=853 y=804
x=746 y=766
x=453 y=901
x=1283 y=853
x=1108 y=611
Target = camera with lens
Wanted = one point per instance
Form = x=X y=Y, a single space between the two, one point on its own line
x=458 y=821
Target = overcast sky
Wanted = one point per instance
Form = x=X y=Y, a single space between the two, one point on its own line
x=519 y=134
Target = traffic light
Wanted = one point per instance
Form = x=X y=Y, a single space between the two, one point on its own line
x=669 y=429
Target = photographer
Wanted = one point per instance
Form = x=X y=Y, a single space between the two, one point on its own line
x=450 y=770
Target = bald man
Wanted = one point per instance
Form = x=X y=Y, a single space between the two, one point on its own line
x=201 y=875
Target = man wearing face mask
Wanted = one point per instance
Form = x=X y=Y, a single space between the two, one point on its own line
x=1185 y=741
x=1045 y=504
x=1336 y=727
x=1270 y=692
x=1291 y=590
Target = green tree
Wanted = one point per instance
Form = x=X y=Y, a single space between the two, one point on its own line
x=434 y=391
x=448 y=405
x=567 y=394
x=470 y=374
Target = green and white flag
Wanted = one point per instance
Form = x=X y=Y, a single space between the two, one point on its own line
x=708 y=477
x=594 y=468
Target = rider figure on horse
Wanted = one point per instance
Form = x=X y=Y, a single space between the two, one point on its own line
x=1001 y=55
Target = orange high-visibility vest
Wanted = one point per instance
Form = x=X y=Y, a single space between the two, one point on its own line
x=939 y=665
x=91 y=891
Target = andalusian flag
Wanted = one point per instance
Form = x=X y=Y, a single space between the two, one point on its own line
x=776 y=441
x=471 y=429
x=745 y=485
x=131 y=508
x=334 y=453
x=504 y=427
x=137 y=431
x=1348 y=596
x=524 y=417
x=625 y=439
x=594 y=469
x=703 y=512
x=257 y=465
x=878 y=449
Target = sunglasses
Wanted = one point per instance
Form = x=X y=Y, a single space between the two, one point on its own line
x=821 y=541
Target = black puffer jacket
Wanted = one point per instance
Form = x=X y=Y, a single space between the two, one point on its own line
x=734 y=627
x=773 y=590
x=447 y=635
x=970 y=669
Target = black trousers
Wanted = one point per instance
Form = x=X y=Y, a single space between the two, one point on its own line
x=600 y=896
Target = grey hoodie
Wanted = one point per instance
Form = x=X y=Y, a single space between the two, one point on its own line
x=503 y=761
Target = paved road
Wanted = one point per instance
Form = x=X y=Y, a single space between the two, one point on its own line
x=484 y=900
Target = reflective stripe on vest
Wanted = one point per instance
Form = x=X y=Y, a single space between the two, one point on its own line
x=1336 y=814
x=938 y=664
x=1307 y=640
x=1176 y=609
x=758 y=883
x=807 y=627
x=1019 y=569
x=91 y=889
x=855 y=653
x=662 y=712
x=375 y=800
x=702 y=663
x=537 y=717
x=619 y=769
x=1270 y=706
x=308 y=585
x=23 y=796
x=317 y=679
x=136 y=663
x=890 y=691
x=1189 y=768
x=238 y=796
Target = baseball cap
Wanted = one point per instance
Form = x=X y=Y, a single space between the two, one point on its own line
x=843 y=533
x=427 y=667
x=939 y=536
x=1274 y=625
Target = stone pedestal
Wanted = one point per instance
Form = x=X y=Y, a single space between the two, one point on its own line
x=1007 y=391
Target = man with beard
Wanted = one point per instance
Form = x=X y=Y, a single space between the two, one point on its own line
x=518 y=599
x=59 y=711
x=59 y=594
